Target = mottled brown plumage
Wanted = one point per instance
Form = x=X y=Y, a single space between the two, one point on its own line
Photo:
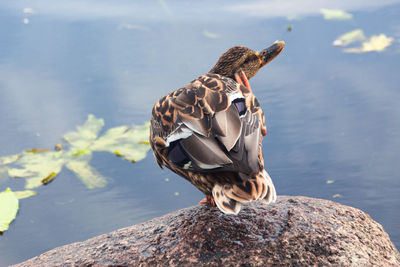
x=210 y=131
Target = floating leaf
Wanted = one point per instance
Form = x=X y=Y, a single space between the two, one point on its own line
x=86 y=173
x=36 y=167
x=8 y=208
x=144 y=142
x=294 y=17
x=85 y=134
x=36 y=150
x=24 y=194
x=350 y=37
x=337 y=195
x=9 y=159
x=18 y=173
x=330 y=181
x=41 y=166
x=81 y=152
x=128 y=142
x=118 y=154
x=375 y=43
x=335 y=14
x=210 y=35
x=28 y=10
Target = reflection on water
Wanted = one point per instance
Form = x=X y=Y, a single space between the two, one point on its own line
x=330 y=115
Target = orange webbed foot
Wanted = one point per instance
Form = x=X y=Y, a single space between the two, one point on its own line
x=241 y=78
x=264 y=131
x=207 y=200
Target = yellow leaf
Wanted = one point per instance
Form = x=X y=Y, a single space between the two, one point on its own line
x=84 y=135
x=118 y=154
x=86 y=173
x=9 y=206
x=335 y=14
x=350 y=37
x=9 y=159
x=376 y=43
x=210 y=35
x=131 y=143
x=37 y=167
x=24 y=194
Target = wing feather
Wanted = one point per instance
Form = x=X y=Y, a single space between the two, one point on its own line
x=217 y=122
x=228 y=118
x=205 y=152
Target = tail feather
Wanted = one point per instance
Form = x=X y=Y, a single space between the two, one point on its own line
x=228 y=197
x=224 y=203
x=270 y=196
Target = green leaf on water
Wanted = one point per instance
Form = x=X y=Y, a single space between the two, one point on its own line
x=84 y=135
x=24 y=194
x=128 y=142
x=376 y=43
x=330 y=181
x=35 y=168
x=9 y=159
x=8 y=208
x=131 y=143
x=335 y=14
x=41 y=166
x=86 y=173
x=144 y=142
x=337 y=195
x=19 y=173
x=80 y=152
x=117 y=153
x=210 y=35
x=350 y=37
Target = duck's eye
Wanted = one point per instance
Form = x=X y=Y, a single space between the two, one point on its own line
x=247 y=60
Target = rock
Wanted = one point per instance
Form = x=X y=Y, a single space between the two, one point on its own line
x=294 y=231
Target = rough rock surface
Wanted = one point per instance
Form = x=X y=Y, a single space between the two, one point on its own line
x=294 y=231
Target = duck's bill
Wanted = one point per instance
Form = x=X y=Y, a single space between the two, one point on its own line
x=271 y=52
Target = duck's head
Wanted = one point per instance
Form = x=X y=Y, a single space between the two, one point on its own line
x=240 y=58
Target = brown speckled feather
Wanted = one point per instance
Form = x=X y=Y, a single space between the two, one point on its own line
x=198 y=106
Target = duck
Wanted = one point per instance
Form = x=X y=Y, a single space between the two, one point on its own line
x=210 y=132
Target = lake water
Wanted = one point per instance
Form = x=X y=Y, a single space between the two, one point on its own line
x=330 y=115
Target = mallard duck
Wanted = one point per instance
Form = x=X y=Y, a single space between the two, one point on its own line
x=210 y=132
